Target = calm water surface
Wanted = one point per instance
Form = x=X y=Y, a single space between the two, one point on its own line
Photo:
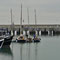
x=47 y=49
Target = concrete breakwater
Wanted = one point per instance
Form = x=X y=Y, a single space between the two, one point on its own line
x=31 y=29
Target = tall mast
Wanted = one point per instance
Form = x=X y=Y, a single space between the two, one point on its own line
x=28 y=15
x=35 y=17
x=21 y=21
x=21 y=15
x=11 y=16
x=11 y=23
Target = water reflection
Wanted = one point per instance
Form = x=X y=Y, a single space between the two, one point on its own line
x=25 y=51
x=21 y=47
x=36 y=51
x=44 y=50
x=32 y=51
x=29 y=51
x=6 y=50
x=6 y=53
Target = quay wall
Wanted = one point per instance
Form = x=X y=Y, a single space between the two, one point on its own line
x=39 y=29
x=32 y=26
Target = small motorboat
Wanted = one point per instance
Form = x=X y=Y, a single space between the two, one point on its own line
x=21 y=39
x=29 y=40
x=36 y=39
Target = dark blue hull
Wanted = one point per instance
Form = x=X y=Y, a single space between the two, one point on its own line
x=36 y=40
x=20 y=41
x=29 y=41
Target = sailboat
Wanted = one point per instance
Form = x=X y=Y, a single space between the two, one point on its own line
x=21 y=38
x=5 y=40
x=36 y=39
x=8 y=38
x=29 y=39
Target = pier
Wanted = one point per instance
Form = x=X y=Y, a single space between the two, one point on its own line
x=52 y=29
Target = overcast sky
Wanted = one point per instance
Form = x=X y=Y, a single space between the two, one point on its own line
x=47 y=11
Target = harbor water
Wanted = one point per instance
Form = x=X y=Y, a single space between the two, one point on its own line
x=47 y=49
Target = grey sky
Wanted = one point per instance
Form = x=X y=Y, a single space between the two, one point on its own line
x=48 y=11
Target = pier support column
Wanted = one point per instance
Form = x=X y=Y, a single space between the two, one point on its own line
x=7 y=30
x=24 y=32
x=52 y=32
x=36 y=32
x=40 y=32
x=15 y=32
x=11 y=32
x=48 y=32
x=28 y=32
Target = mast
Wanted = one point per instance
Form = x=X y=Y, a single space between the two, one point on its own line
x=35 y=17
x=11 y=16
x=21 y=29
x=21 y=15
x=11 y=23
x=35 y=22
x=28 y=15
x=28 y=20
